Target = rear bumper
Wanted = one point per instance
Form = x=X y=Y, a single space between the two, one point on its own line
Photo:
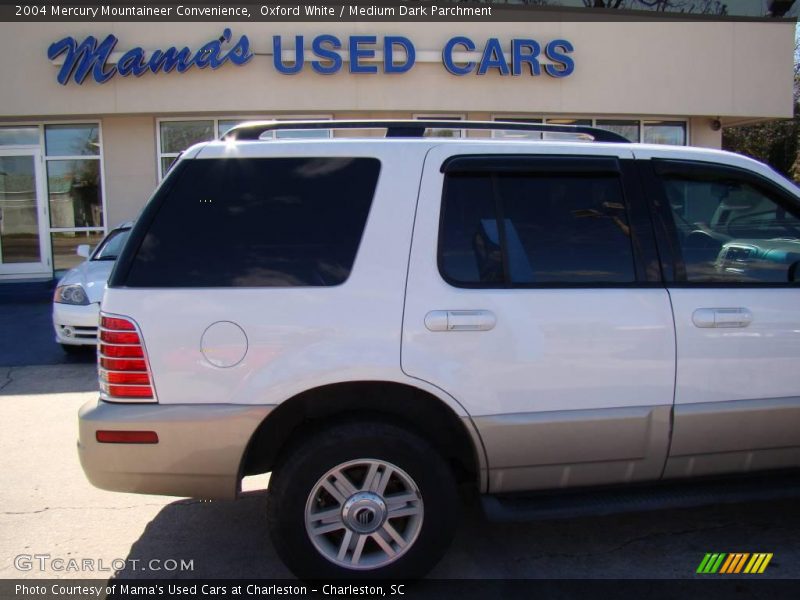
x=198 y=454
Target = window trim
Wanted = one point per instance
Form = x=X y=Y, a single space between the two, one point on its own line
x=673 y=264
x=641 y=240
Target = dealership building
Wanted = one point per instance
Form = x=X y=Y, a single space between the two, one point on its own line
x=93 y=113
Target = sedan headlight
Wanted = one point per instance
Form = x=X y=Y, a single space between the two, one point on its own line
x=71 y=294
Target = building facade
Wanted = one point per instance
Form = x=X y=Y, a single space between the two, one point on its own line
x=92 y=114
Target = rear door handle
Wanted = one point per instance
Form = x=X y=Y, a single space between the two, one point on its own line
x=722 y=317
x=460 y=320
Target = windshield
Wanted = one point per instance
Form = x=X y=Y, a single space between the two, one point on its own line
x=110 y=247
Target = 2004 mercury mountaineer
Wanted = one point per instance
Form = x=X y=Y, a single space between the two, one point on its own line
x=378 y=322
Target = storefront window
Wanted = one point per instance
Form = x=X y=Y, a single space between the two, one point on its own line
x=72 y=140
x=74 y=193
x=584 y=122
x=177 y=136
x=560 y=136
x=627 y=129
x=65 y=246
x=19 y=136
x=517 y=135
x=19 y=215
x=446 y=133
x=225 y=125
x=664 y=132
x=73 y=166
x=635 y=130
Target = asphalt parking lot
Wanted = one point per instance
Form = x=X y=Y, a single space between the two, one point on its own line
x=48 y=508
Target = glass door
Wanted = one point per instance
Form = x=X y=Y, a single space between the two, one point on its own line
x=24 y=243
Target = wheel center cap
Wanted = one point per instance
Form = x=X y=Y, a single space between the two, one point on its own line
x=364 y=512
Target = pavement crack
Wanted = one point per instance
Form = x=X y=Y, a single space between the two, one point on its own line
x=8 y=378
x=628 y=542
x=51 y=508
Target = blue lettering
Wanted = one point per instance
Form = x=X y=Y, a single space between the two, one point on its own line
x=207 y=54
x=493 y=58
x=278 y=59
x=240 y=53
x=356 y=54
x=215 y=60
x=170 y=59
x=518 y=58
x=132 y=62
x=389 y=43
x=447 y=55
x=327 y=54
x=83 y=58
x=557 y=52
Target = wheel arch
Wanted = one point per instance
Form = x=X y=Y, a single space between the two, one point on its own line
x=411 y=407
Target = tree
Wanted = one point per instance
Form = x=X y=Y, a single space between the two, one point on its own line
x=704 y=7
x=775 y=142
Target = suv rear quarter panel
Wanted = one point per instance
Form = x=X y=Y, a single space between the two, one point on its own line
x=297 y=338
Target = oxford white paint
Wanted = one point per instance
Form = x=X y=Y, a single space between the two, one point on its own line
x=550 y=349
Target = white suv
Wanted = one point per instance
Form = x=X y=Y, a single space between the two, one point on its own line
x=378 y=322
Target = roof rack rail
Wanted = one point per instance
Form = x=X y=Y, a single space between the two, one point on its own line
x=416 y=128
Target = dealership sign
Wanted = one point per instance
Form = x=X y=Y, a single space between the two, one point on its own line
x=368 y=54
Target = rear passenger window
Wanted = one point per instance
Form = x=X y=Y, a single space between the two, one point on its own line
x=729 y=230
x=258 y=222
x=512 y=229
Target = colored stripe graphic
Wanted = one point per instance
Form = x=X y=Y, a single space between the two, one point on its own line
x=734 y=563
x=737 y=565
x=758 y=563
x=727 y=564
x=711 y=563
x=703 y=563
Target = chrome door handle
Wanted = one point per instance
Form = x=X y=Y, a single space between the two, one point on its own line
x=460 y=320
x=722 y=317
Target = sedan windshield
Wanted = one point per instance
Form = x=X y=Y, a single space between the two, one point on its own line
x=111 y=246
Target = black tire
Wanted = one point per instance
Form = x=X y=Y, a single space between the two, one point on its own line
x=303 y=466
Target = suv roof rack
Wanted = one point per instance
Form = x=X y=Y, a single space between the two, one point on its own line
x=416 y=128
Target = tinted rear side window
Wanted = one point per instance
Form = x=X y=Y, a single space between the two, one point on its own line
x=535 y=229
x=258 y=222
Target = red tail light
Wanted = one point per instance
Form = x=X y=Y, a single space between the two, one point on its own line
x=121 y=351
x=118 y=324
x=119 y=337
x=114 y=364
x=124 y=375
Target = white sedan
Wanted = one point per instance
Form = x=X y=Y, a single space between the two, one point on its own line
x=76 y=302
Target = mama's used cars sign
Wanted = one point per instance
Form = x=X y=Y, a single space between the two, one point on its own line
x=391 y=54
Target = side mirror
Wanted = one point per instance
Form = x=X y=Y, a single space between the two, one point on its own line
x=84 y=250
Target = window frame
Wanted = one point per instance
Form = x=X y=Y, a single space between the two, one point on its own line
x=100 y=156
x=666 y=231
x=215 y=120
x=641 y=240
